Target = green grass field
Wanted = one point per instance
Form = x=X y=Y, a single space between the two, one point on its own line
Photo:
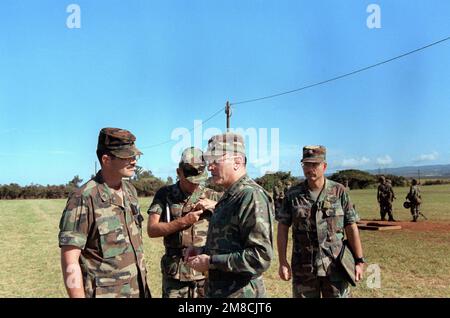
x=412 y=263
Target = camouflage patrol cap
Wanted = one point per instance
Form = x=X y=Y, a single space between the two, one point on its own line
x=193 y=165
x=118 y=142
x=314 y=154
x=219 y=145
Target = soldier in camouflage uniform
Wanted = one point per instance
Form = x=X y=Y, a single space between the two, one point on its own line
x=319 y=211
x=385 y=197
x=415 y=198
x=239 y=244
x=278 y=195
x=287 y=187
x=100 y=230
x=181 y=213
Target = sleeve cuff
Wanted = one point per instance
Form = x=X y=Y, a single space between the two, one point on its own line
x=72 y=239
x=218 y=261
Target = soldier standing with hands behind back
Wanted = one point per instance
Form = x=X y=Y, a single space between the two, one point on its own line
x=415 y=198
x=385 y=197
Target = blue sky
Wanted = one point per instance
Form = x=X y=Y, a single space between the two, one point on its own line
x=155 y=66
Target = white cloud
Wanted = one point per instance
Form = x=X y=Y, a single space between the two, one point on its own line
x=384 y=161
x=355 y=162
x=427 y=157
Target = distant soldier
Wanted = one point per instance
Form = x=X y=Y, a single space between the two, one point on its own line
x=346 y=186
x=278 y=195
x=389 y=182
x=287 y=187
x=385 y=197
x=320 y=212
x=415 y=198
x=181 y=213
x=239 y=244
x=100 y=234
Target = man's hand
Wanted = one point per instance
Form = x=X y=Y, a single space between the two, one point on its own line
x=205 y=204
x=200 y=263
x=192 y=217
x=191 y=251
x=359 y=270
x=285 y=272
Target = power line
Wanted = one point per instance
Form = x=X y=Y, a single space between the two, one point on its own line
x=171 y=140
x=340 y=76
x=303 y=88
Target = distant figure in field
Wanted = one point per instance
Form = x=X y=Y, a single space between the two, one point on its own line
x=278 y=195
x=288 y=185
x=415 y=198
x=385 y=197
x=347 y=187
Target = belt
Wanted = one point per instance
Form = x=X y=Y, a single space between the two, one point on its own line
x=217 y=275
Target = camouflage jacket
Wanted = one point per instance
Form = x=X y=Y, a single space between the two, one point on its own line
x=240 y=241
x=278 y=193
x=108 y=232
x=385 y=193
x=414 y=195
x=171 y=203
x=318 y=227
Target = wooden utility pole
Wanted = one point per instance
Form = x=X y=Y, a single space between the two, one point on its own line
x=95 y=168
x=228 y=112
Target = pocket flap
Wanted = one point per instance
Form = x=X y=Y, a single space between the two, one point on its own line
x=110 y=281
x=109 y=224
x=334 y=211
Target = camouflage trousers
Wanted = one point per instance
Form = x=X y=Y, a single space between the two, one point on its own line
x=278 y=203
x=312 y=286
x=386 y=208
x=253 y=288
x=415 y=209
x=174 y=288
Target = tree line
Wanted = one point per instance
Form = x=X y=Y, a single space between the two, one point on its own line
x=144 y=181
x=147 y=184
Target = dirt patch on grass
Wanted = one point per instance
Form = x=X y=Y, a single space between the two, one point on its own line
x=419 y=226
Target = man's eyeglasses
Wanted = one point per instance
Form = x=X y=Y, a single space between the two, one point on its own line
x=214 y=161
